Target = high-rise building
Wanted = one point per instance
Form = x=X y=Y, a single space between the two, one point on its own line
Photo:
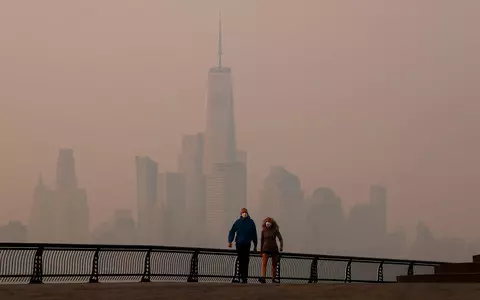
x=119 y=229
x=171 y=196
x=242 y=156
x=72 y=221
x=66 y=176
x=378 y=201
x=226 y=190
x=282 y=199
x=124 y=227
x=14 y=231
x=190 y=165
x=220 y=140
x=41 y=225
x=147 y=171
x=326 y=221
x=225 y=174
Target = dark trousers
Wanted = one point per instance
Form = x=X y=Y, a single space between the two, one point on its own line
x=243 y=256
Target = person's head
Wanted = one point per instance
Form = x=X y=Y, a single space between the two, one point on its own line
x=270 y=223
x=244 y=213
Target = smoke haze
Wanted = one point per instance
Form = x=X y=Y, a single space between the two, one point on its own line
x=343 y=94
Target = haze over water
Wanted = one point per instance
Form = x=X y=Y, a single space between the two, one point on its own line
x=342 y=93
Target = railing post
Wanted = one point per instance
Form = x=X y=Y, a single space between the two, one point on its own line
x=380 y=272
x=193 y=277
x=236 y=272
x=277 y=277
x=410 y=269
x=147 y=267
x=314 y=271
x=37 y=276
x=94 y=274
x=348 y=272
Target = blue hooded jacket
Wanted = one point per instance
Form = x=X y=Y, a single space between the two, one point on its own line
x=245 y=231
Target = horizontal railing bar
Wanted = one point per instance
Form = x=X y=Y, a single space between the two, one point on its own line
x=191 y=250
x=113 y=276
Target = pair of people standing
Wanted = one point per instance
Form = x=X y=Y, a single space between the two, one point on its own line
x=244 y=232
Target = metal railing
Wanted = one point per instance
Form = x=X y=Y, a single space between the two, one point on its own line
x=69 y=263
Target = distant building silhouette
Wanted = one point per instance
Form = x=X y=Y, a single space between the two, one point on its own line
x=120 y=229
x=171 y=196
x=66 y=175
x=361 y=224
x=427 y=247
x=226 y=186
x=72 y=221
x=282 y=198
x=378 y=202
x=147 y=173
x=190 y=165
x=242 y=156
x=226 y=195
x=395 y=245
x=41 y=224
x=220 y=136
x=14 y=232
x=326 y=221
x=367 y=225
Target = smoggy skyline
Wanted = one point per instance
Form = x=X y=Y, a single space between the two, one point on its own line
x=342 y=94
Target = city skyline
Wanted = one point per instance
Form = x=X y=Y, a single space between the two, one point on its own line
x=195 y=205
x=334 y=110
x=361 y=231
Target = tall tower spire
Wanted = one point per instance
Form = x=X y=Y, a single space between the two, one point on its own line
x=220 y=52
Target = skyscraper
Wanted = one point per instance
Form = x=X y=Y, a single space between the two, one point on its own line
x=119 y=229
x=225 y=176
x=171 y=197
x=72 y=221
x=226 y=195
x=147 y=170
x=378 y=201
x=220 y=141
x=190 y=165
x=41 y=225
x=14 y=231
x=66 y=176
x=326 y=220
x=282 y=199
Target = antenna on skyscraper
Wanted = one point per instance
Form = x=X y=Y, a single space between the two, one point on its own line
x=220 y=53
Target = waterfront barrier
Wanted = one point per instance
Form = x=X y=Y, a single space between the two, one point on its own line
x=82 y=263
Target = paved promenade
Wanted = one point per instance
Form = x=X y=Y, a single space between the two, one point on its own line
x=180 y=291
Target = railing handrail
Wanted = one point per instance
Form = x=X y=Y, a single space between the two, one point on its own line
x=119 y=247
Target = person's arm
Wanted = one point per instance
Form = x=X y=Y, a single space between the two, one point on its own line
x=231 y=234
x=280 y=239
x=254 y=236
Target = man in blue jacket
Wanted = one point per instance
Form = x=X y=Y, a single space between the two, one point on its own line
x=245 y=232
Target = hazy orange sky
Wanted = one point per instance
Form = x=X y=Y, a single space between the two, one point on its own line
x=343 y=93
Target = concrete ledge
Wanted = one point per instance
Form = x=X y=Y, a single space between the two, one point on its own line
x=197 y=291
x=458 y=268
x=441 y=278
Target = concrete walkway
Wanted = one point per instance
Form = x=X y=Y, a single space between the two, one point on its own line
x=179 y=291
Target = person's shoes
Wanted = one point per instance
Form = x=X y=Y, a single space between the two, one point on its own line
x=262 y=280
x=244 y=281
x=275 y=280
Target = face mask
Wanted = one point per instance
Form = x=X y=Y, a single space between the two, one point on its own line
x=244 y=215
x=268 y=224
